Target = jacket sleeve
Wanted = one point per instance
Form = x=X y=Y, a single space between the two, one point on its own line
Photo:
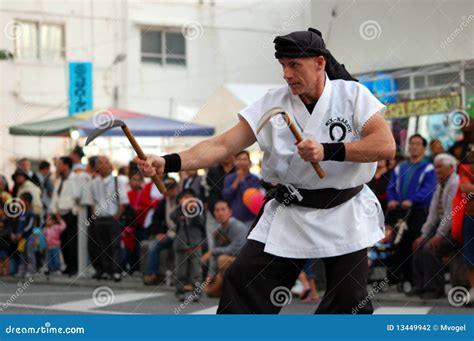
x=446 y=221
x=425 y=190
x=392 y=193
x=228 y=193
x=432 y=218
x=237 y=240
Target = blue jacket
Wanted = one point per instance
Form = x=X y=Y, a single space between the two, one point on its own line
x=414 y=182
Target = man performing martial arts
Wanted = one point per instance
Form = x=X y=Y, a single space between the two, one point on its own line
x=335 y=217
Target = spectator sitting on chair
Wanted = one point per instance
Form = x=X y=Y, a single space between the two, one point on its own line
x=228 y=239
x=160 y=226
x=436 y=241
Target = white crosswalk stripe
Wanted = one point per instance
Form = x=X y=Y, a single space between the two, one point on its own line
x=402 y=310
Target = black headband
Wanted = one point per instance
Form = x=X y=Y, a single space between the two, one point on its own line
x=303 y=44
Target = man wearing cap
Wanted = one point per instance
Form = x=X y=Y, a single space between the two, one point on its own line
x=343 y=129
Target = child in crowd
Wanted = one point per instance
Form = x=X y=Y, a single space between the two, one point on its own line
x=52 y=232
x=26 y=246
x=190 y=232
x=5 y=240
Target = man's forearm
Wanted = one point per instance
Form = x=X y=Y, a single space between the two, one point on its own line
x=212 y=151
x=205 y=154
x=370 y=149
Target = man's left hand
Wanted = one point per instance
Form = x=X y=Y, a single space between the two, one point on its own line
x=310 y=150
x=435 y=242
x=406 y=204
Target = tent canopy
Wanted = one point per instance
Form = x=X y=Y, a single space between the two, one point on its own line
x=85 y=122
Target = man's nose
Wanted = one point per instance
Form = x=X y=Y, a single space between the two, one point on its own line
x=287 y=74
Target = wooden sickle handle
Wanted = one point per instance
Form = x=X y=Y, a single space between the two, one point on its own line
x=155 y=178
x=321 y=173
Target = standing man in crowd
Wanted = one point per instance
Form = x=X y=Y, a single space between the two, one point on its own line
x=109 y=195
x=235 y=184
x=411 y=187
x=25 y=165
x=64 y=203
x=46 y=185
x=333 y=218
x=214 y=185
x=25 y=185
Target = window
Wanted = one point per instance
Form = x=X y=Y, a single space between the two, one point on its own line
x=163 y=47
x=34 y=40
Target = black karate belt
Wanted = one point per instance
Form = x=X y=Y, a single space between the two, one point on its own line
x=311 y=198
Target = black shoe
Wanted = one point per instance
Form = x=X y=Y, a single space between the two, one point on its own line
x=97 y=276
x=105 y=276
x=414 y=292
x=180 y=296
x=432 y=295
x=117 y=277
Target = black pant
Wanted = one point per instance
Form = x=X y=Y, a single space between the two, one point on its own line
x=69 y=242
x=428 y=267
x=104 y=245
x=403 y=256
x=94 y=247
x=256 y=282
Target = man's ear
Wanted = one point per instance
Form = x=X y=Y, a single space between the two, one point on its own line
x=321 y=63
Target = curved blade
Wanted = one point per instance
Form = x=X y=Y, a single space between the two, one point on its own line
x=267 y=116
x=110 y=124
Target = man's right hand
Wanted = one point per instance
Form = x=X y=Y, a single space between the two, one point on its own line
x=417 y=243
x=160 y=237
x=392 y=204
x=153 y=164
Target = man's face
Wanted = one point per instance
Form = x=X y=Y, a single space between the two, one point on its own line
x=20 y=179
x=442 y=171
x=302 y=74
x=436 y=148
x=416 y=147
x=242 y=162
x=44 y=171
x=63 y=169
x=222 y=212
x=172 y=192
x=185 y=198
x=25 y=165
x=103 y=166
x=136 y=182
